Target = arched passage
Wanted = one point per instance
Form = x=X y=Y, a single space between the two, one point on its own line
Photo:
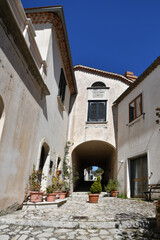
x=94 y=153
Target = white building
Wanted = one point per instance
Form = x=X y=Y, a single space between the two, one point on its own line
x=138 y=138
x=37 y=81
x=110 y=121
x=93 y=121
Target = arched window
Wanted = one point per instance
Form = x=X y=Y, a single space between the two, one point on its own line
x=43 y=157
x=98 y=85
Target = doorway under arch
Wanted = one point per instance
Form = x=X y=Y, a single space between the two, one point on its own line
x=44 y=164
x=94 y=153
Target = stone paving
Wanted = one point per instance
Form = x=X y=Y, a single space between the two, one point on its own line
x=111 y=219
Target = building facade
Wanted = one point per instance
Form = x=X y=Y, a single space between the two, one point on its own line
x=37 y=81
x=93 y=121
x=138 y=134
x=110 y=120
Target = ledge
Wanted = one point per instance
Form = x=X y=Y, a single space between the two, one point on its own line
x=90 y=122
x=15 y=31
x=44 y=205
x=136 y=120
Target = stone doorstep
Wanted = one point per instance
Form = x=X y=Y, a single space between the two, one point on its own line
x=132 y=224
x=44 y=204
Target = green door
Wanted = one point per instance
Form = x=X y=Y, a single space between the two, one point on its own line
x=139 y=176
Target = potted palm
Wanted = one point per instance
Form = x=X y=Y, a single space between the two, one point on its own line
x=95 y=190
x=112 y=187
x=34 y=186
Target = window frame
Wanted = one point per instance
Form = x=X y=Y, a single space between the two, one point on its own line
x=89 y=108
x=135 y=108
x=62 y=86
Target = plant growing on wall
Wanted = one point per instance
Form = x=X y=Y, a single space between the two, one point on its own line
x=69 y=174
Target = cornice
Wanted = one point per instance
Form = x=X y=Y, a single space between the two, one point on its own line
x=103 y=73
x=49 y=17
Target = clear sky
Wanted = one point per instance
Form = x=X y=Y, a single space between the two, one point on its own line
x=111 y=35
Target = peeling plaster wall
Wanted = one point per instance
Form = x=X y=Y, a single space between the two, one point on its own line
x=142 y=135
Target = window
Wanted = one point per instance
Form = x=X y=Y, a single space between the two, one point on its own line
x=62 y=86
x=135 y=108
x=97 y=111
x=98 y=85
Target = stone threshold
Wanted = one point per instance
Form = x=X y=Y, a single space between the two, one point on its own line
x=43 y=205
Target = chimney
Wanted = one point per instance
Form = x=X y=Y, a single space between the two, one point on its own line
x=130 y=76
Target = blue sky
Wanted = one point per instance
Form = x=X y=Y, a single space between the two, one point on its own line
x=111 y=35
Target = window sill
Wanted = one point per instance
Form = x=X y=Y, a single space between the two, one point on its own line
x=90 y=122
x=60 y=103
x=136 y=120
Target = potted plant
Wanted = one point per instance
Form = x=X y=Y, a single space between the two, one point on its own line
x=34 y=186
x=112 y=187
x=58 y=185
x=51 y=195
x=95 y=190
x=158 y=213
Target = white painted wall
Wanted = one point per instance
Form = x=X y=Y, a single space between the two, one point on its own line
x=81 y=131
x=142 y=135
x=29 y=120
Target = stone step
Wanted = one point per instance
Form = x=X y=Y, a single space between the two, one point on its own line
x=81 y=224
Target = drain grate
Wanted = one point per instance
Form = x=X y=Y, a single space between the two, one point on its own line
x=79 y=217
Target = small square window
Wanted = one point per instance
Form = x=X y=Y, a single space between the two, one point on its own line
x=62 y=86
x=97 y=111
x=135 y=108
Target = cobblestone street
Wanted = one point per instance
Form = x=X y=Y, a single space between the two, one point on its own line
x=111 y=218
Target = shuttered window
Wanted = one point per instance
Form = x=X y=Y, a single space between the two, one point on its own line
x=97 y=111
x=135 y=108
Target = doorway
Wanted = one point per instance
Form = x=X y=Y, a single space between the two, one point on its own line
x=139 y=176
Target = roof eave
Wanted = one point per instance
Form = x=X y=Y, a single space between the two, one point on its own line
x=58 y=10
x=138 y=80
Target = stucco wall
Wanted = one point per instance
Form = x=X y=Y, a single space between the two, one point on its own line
x=81 y=131
x=142 y=135
x=29 y=120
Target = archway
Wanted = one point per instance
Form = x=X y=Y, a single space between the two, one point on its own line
x=94 y=153
x=44 y=164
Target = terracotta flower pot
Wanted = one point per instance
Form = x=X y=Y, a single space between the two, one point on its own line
x=62 y=195
x=93 y=198
x=51 y=197
x=36 y=196
x=114 y=193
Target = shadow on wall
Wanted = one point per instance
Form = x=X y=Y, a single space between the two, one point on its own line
x=22 y=71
